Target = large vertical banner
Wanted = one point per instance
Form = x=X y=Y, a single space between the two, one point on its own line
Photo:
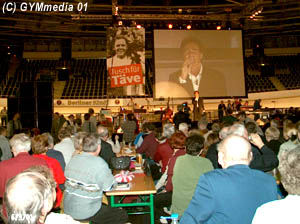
x=125 y=61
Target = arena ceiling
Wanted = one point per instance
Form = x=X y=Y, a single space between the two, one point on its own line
x=277 y=17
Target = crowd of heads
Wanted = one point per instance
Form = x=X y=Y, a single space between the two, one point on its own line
x=233 y=143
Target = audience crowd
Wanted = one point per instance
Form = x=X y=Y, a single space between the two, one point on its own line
x=228 y=171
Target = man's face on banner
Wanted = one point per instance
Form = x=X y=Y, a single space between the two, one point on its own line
x=120 y=48
x=192 y=53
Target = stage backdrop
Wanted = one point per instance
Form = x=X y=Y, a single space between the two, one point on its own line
x=207 y=61
x=125 y=61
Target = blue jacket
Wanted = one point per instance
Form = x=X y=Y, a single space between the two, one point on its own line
x=229 y=196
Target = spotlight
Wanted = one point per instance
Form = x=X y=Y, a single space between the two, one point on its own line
x=256 y=13
x=218 y=27
x=251 y=17
x=170 y=25
x=120 y=23
x=8 y=47
x=189 y=27
x=138 y=26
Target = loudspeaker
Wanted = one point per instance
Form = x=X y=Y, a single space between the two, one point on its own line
x=27 y=105
x=63 y=75
x=36 y=105
x=44 y=105
x=12 y=107
x=66 y=49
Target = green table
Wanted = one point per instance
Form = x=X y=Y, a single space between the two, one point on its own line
x=141 y=186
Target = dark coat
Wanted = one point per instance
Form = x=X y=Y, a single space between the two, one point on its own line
x=106 y=152
x=212 y=83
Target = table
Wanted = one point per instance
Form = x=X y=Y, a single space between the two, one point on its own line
x=142 y=186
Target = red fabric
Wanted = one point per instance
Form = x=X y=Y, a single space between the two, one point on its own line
x=12 y=167
x=163 y=154
x=58 y=174
x=148 y=146
x=169 y=185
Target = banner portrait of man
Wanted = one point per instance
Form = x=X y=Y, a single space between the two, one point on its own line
x=125 y=61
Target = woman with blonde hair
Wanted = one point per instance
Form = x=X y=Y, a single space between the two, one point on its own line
x=290 y=133
x=272 y=136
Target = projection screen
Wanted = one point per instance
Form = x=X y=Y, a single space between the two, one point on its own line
x=207 y=61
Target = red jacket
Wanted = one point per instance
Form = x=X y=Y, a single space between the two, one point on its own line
x=169 y=185
x=148 y=146
x=58 y=174
x=11 y=167
x=163 y=154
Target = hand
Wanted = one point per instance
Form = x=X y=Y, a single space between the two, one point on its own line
x=256 y=140
x=185 y=70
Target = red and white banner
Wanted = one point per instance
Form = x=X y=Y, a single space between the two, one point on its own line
x=125 y=60
x=126 y=75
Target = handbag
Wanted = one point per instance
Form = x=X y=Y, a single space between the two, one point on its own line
x=120 y=163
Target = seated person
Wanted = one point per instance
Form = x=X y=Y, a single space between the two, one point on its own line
x=103 y=133
x=187 y=170
x=20 y=144
x=66 y=144
x=149 y=144
x=164 y=198
x=285 y=210
x=39 y=148
x=164 y=150
x=88 y=175
x=272 y=137
x=54 y=153
x=29 y=197
x=232 y=194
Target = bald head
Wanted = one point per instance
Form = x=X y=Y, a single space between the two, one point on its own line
x=234 y=150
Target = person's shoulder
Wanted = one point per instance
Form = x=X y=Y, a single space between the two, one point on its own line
x=105 y=144
x=203 y=160
x=37 y=160
x=60 y=218
x=6 y=163
x=262 y=175
x=212 y=74
x=54 y=153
